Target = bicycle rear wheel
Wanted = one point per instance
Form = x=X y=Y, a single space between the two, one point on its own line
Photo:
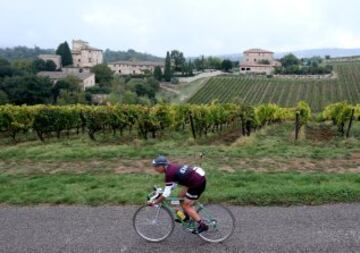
x=154 y=224
x=220 y=220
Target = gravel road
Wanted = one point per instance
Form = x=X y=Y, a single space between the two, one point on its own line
x=329 y=228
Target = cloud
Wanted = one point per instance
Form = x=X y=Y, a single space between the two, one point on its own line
x=195 y=27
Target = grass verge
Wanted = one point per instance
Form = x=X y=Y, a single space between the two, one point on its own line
x=240 y=188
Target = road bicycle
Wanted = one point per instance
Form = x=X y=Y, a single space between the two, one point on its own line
x=156 y=223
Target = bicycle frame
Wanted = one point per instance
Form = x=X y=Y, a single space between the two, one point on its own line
x=167 y=203
x=190 y=225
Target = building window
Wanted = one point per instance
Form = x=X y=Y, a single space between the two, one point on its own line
x=242 y=68
x=247 y=68
x=119 y=71
x=78 y=60
x=80 y=70
x=89 y=59
x=255 y=59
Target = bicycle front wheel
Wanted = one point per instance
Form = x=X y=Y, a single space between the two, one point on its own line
x=220 y=220
x=154 y=224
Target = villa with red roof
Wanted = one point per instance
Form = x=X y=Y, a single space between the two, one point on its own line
x=258 y=61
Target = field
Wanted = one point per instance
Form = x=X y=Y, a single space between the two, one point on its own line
x=245 y=171
x=285 y=92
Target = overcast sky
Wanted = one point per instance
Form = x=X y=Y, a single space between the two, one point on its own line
x=195 y=27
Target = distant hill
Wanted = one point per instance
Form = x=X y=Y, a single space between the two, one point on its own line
x=112 y=56
x=21 y=52
x=333 y=52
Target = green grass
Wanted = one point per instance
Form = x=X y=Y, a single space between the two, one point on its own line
x=242 y=188
x=274 y=141
x=81 y=171
x=185 y=91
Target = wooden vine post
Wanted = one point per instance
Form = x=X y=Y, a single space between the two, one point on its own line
x=192 y=125
x=350 y=123
x=297 y=125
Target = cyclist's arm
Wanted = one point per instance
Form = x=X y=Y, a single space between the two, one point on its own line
x=166 y=193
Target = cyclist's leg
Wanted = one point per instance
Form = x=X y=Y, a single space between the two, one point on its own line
x=187 y=205
x=191 y=196
x=183 y=191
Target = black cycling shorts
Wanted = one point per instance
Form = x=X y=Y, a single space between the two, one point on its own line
x=194 y=193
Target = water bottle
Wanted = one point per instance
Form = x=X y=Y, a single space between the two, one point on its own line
x=180 y=214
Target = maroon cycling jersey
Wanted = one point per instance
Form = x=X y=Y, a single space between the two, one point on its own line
x=182 y=175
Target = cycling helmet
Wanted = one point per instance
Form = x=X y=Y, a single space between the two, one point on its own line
x=160 y=160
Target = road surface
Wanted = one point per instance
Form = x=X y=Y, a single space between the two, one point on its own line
x=329 y=228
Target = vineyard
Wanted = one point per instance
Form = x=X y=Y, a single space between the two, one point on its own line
x=146 y=122
x=285 y=92
x=47 y=121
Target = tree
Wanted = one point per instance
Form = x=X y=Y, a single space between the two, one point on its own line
x=70 y=84
x=64 y=51
x=103 y=75
x=129 y=98
x=39 y=65
x=289 y=60
x=188 y=68
x=153 y=83
x=167 y=71
x=178 y=60
x=28 y=89
x=4 y=62
x=158 y=73
x=50 y=65
x=214 y=62
x=67 y=98
x=226 y=65
x=23 y=66
x=199 y=63
x=3 y=98
x=6 y=71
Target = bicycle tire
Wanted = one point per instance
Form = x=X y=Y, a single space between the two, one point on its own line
x=165 y=212
x=208 y=213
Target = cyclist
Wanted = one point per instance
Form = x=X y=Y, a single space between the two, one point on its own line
x=193 y=181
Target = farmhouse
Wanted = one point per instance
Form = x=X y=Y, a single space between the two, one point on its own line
x=85 y=56
x=86 y=79
x=258 y=61
x=134 y=67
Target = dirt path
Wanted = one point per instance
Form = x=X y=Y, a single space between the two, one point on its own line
x=227 y=164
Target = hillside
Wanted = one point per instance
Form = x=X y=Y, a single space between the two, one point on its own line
x=21 y=52
x=112 y=56
x=306 y=53
x=285 y=92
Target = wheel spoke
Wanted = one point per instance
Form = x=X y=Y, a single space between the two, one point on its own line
x=221 y=223
x=153 y=224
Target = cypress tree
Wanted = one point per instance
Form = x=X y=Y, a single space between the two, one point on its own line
x=167 y=71
x=158 y=73
x=64 y=51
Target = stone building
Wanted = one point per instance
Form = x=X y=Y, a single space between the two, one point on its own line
x=134 y=67
x=258 y=61
x=52 y=57
x=85 y=56
x=86 y=79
